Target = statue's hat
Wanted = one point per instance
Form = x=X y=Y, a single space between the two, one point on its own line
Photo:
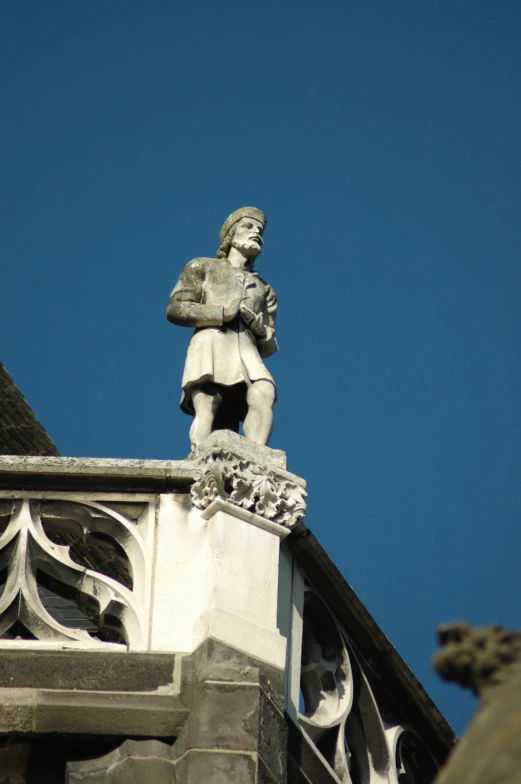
x=243 y=212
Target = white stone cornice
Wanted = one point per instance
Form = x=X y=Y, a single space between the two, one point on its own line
x=219 y=505
x=97 y=467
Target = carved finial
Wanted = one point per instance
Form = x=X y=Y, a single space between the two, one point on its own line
x=477 y=658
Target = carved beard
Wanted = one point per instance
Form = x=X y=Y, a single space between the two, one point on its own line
x=249 y=249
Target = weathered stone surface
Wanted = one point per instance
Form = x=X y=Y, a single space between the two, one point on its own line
x=265 y=776
x=490 y=751
x=201 y=766
x=218 y=577
x=147 y=714
x=272 y=735
x=488 y=661
x=135 y=761
x=17 y=710
x=236 y=730
x=478 y=658
x=247 y=475
x=85 y=670
x=71 y=473
x=243 y=448
x=215 y=661
x=136 y=771
x=235 y=713
x=224 y=716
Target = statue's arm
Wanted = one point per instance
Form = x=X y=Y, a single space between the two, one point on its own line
x=187 y=313
x=185 y=307
x=268 y=344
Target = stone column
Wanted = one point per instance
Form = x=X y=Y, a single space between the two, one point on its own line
x=241 y=584
x=236 y=731
x=217 y=563
x=220 y=552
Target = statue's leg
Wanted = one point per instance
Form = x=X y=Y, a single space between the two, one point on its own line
x=205 y=407
x=259 y=419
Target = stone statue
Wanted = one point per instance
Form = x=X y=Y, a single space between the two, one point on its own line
x=225 y=381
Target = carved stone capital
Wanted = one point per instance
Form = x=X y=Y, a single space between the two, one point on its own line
x=229 y=470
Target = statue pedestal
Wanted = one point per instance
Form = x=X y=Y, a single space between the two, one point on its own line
x=223 y=557
x=242 y=580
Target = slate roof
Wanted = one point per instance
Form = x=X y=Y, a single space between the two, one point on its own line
x=20 y=431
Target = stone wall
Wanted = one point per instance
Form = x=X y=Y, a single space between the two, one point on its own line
x=175 y=621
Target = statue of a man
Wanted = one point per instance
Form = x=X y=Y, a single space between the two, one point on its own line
x=225 y=381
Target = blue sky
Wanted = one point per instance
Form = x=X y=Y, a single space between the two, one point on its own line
x=383 y=142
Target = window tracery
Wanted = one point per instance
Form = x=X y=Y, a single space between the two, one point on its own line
x=71 y=571
x=340 y=716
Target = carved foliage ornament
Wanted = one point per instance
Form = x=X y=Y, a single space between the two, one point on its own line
x=264 y=491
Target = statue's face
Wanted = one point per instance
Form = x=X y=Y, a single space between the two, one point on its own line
x=248 y=236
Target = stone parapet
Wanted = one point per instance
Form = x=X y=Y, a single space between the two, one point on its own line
x=145 y=570
x=175 y=621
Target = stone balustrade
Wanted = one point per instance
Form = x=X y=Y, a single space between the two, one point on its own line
x=173 y=599
x=195 y=556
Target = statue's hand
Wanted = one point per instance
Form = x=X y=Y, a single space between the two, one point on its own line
x=231 y=310
x=255 y=322
x=256 y=325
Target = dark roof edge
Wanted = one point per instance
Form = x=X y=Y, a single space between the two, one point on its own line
x=383 y=658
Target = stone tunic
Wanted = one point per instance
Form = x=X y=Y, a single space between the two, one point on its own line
x=225 y=354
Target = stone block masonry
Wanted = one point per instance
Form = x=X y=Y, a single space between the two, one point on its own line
x=175 y=621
